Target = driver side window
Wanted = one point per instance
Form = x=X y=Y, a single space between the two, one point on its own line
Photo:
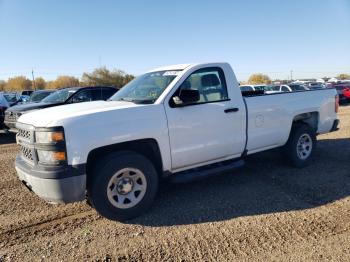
x=83 y=96
x=285 y=89
x=210 y=83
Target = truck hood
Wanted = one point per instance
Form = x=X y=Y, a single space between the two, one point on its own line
x=49 y=116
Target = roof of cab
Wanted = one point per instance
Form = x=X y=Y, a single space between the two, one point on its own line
x=171 y=67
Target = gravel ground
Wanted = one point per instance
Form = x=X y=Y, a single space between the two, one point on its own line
x=264 y=211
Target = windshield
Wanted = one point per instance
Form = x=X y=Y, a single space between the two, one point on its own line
x=297 y=87
x=275 y=88
x=259 y=87
x=59 y=96
x=146 y=88
x=38 y=96
x=271 y=88
x=246 y=88
x=11 y=98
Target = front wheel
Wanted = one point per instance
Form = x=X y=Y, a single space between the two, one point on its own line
x=124 y=185
x=300 y=145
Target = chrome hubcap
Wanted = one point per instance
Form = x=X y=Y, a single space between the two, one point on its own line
x=304 y=146
x=125 y=185
x=126 y=188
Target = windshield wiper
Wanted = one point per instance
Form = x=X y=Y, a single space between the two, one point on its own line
x=137 y=101
x=143 y=101
x=126 y=99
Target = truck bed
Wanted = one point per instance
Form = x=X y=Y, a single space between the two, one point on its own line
x=270 y=115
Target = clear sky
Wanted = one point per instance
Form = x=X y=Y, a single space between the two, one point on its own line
x=310 y=37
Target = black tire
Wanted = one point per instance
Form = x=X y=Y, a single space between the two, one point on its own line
x=103 y=173
x=291 y=147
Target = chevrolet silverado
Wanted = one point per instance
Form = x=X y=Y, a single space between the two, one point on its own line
x=182 y=122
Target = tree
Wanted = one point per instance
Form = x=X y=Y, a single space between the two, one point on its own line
x=103 y=76
x=64 y=81
x=2 y=85
x=40 y=83
x=255 y=79
x=343 y=76
x=18 y=83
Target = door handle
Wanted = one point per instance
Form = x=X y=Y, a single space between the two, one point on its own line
x=231 y=110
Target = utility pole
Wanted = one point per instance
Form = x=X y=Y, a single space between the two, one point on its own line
x=33 y=80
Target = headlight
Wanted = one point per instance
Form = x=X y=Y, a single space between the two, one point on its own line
x=51 y=157
x=49 y=137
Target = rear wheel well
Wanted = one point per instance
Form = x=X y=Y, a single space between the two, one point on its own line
x=310 y=119
x=147 y=147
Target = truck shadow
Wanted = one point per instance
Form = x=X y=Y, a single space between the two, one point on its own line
x=7 y=138
x=344 y=103
x=265 y=185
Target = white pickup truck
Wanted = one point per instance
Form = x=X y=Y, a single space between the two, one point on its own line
x=182 y=121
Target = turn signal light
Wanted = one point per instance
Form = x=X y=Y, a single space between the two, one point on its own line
x=59 y=156
x=57 y=136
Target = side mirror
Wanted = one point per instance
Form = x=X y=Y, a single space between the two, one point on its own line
x=186 y=96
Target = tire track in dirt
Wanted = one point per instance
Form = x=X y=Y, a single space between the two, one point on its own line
x=18 y=235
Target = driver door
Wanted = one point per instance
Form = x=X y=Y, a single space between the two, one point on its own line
x=209 y=130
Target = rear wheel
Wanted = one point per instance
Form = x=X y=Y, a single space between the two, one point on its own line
x=300 y=145
x=124 y=185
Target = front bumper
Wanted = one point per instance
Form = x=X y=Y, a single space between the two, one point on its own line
x=10 y=119
x=10 y=124
x=55 y=184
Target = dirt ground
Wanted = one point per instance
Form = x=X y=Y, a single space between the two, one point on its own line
x=266 y=211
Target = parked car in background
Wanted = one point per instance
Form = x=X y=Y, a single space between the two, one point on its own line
x=245 y=88
x=316 y=85
x=290 y=88
x=22 y=99
x=253 y=87
x=267 y=89
x=25 y=93
x=36 y=96
x=39 y=95
x=343 y=90
x=11 y=98
x=6 y=101
x=60 y=97
x=259 y=87
x=4 y=104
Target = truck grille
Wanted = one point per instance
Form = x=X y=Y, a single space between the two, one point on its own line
x=27 y=153
x=25 y=138
x=25 y=134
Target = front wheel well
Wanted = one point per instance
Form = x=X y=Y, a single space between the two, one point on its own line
x=147 y=147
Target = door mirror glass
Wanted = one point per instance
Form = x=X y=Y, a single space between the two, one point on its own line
x=187 y=96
